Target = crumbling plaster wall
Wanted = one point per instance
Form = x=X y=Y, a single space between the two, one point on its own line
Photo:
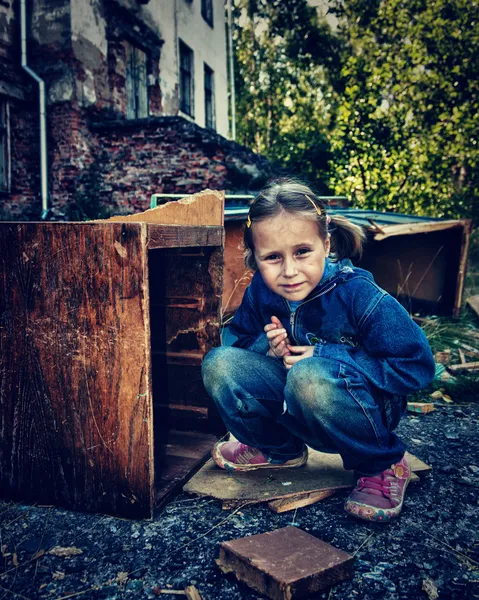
x=76 y=47
x=183 y=21
x=10 y=81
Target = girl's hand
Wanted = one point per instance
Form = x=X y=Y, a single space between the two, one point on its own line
x=277 y=338
x=297 y=353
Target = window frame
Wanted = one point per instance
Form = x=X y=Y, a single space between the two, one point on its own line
x=207 y=11
x=4 y=145
x=136 y=84
x=186 y=79
x=209 y=92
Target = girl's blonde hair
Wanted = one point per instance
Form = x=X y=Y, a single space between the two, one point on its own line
x=285 y=195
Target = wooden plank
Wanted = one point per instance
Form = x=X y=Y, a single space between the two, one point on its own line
x=75 y=397
x=473 y=302
x=175 y=236
x=413 y=228
x=461 y=271
x=322 y=472
x=299 y=501
x=204 y=208
x=471 y=366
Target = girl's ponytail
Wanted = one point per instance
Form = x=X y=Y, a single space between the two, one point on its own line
x=346 y=238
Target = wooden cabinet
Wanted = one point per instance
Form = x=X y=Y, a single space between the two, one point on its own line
x=103 y=327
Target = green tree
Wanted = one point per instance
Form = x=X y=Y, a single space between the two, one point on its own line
x=405 y=135
x=284 y=101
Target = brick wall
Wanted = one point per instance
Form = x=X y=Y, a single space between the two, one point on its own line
x=23 y=201
x=131 y=160
x=113 y=167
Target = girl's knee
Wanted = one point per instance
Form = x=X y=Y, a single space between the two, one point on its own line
x=215 y=365
x=218 y=367
x=311 y=387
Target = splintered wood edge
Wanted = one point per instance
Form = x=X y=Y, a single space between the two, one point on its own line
x=299 y=501
x=163 y=213
x=414 y=228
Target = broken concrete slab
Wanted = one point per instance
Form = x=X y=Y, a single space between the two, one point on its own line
x=285 y=564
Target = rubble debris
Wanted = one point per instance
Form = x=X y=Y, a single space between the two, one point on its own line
x=443 y=357
x=442 y=375
x=462 y=356
x=65 y=552
x=285 y=564
x=298 y=501
x=420 y=407
x=440 y=395
x=192 y=593
x=470 y=349
x=473 y=302
x=429 y=587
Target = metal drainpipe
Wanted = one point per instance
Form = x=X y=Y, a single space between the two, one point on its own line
x=232 y=72
x=43 y=115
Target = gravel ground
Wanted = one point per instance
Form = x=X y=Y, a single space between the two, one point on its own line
x=430 y=552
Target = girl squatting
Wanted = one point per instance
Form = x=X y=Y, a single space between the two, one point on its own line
x=323 y=356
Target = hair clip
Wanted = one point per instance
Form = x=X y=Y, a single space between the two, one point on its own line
x=248 y=222
x=314 y=204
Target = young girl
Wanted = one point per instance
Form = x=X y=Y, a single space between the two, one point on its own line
x=323 y=355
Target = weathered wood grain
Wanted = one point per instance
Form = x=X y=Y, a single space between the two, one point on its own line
x=204 y=208
x=75 y=375
x=176 y=236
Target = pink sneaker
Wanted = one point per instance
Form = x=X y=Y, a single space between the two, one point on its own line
x=240 y=457
x=380 y=497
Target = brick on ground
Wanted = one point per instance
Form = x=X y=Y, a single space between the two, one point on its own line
x=285 y=564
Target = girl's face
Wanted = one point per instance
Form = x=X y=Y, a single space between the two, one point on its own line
x=290 y=255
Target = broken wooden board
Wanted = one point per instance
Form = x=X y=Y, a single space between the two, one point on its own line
x=472 y=366
x=306 y=499
x=204 y=208
x=322 y=472
x=298 y=501
x=473 y=302
x=285 y=564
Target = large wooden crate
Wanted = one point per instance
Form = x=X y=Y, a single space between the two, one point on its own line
x=103 y=327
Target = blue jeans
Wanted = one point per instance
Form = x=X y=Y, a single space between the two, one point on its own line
x=321 y=402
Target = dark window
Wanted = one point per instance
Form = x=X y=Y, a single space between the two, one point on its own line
x=209 y=97
x=4 y=170
x=207 y=11
x=186 y=79
x=136 y=86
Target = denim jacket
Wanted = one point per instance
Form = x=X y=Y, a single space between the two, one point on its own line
x=348 y=318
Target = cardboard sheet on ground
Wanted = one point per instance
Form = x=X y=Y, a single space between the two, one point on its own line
x=322 y=472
